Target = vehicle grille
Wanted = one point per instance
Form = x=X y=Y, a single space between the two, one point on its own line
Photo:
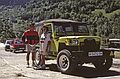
x=89 y=45
x=73 y=48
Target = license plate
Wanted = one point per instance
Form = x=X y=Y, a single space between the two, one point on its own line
x=95 y=54
x=21 y=48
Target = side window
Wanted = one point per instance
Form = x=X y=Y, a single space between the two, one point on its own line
x=8 y=42
x=59 y=29
x=69 y=29
x=82 y=29
x=50 y=29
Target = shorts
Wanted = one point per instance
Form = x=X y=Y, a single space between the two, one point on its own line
x=30 y=48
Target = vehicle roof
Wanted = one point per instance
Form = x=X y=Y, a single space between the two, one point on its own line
x=57 y=20
x=9 y=40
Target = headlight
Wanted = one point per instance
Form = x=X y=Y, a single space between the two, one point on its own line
x=74 y=42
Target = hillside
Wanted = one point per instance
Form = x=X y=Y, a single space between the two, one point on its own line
x=103 y=16
x=12 y=2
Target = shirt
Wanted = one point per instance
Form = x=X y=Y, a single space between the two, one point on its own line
x=30 y=37
x=44 y=39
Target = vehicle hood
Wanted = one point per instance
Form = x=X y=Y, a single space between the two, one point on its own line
x=79 y=37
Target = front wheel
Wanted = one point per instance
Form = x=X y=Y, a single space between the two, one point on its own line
x=64 y=62
x=103 y=64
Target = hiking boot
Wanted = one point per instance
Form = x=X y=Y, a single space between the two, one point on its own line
x=39 y=67
x=43 y=66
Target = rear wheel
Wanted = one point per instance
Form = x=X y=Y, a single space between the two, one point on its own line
x=104 y=64
x=64 y=62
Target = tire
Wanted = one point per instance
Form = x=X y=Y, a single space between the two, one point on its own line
x=37 y=57
x=65 y=63
x=104 y=64
x=6 y=49
x=10 y=50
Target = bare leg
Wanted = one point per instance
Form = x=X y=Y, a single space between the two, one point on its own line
x=27 y=58
x=42 y=59
x=39 y=63
x=33 y=58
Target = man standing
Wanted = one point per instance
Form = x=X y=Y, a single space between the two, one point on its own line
x=30 y=38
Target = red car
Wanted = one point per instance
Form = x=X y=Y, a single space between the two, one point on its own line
x=17 y=45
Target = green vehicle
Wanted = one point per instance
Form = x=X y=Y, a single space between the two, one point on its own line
x=72 y=46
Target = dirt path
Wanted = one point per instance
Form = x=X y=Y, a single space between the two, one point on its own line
x=13 y=66
x=9 y=72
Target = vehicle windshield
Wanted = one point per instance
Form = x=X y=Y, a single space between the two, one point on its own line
x=9 y=42
x=70 y=29
x=18 y=42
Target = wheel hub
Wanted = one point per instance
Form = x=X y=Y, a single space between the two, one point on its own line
x=64 y=62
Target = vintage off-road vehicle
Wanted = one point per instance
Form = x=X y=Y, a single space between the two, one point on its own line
x=72 y=45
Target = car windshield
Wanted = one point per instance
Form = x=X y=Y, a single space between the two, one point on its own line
x=18 y=42
x=70 y=29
